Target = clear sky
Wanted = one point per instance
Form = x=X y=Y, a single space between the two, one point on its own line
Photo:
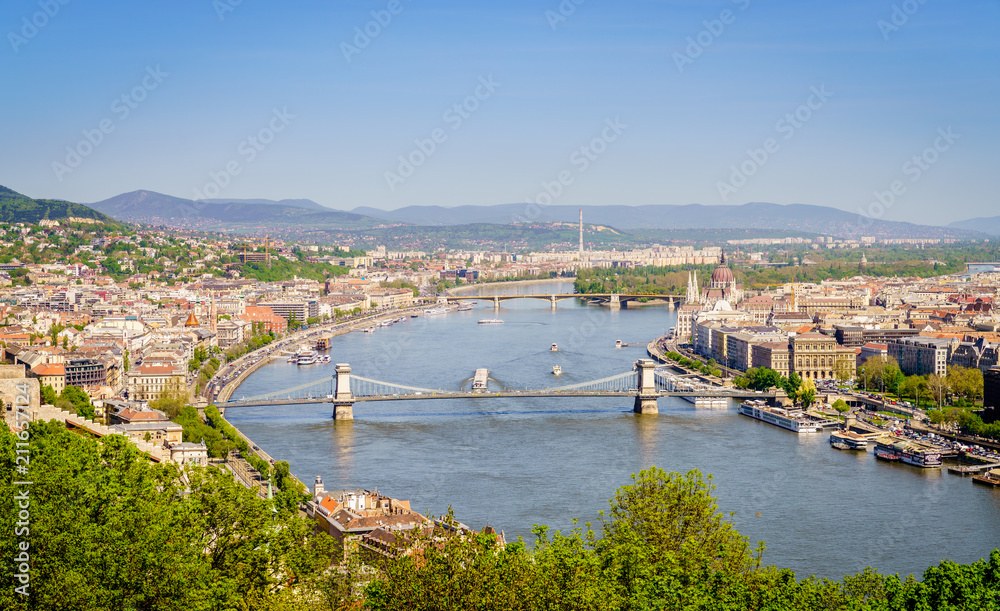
x=625 y=102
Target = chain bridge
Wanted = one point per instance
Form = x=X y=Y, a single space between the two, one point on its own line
x=343 y=389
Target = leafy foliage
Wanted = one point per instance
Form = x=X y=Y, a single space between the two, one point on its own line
x=280 y=269
x=664 y=546
x=109 y=530
x=74 y=399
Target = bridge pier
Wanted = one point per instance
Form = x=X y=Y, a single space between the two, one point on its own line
x=343 y=399
x=552 y=299
x=343 y=411
x=645 y=400
x=496 y=303
x=615 y=302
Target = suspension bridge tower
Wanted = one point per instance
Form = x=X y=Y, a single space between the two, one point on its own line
x=645 y=400
x=343 y=399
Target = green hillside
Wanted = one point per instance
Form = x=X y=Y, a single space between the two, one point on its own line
x=18 y=208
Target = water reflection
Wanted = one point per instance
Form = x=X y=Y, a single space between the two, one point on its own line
x=647 y=436
x=342 y=437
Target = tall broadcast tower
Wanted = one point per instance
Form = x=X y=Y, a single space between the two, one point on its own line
x=581 y=234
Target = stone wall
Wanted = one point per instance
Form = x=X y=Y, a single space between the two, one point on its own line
x=11 y=377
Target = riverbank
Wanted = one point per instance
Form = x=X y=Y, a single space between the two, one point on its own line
x=252 y=361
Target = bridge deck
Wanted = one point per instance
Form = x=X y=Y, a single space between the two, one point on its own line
x=560 y=296
x=498 y=394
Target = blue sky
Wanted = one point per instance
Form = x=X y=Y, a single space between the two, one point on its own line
x=576 y=103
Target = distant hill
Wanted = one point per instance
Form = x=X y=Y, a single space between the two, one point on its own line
x=159 y=209
x=18 y=208
x=821 y=220
x=308 y=204
x=255 y=215
x=986 y=224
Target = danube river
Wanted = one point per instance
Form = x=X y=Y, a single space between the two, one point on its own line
x=512 y=463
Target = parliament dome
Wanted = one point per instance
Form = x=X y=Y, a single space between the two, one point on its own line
x=722 y=275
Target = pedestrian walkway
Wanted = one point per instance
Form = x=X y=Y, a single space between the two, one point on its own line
x=71 y=420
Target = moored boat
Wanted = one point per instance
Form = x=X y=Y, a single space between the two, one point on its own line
x=908 y=451
x=791 y=420
x=307 y=357
x=849 y=439
x=707 y=402
x=990 y=478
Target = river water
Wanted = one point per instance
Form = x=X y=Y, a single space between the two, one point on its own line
x=511 y=463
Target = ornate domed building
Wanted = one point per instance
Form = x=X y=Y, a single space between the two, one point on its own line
x=721 y=287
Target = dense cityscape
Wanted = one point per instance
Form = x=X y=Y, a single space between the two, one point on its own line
x=394 y=305
x=146 y=334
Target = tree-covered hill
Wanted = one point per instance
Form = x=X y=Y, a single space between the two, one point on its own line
x=18 y=208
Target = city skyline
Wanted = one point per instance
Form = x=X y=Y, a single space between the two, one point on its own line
x=395 y=104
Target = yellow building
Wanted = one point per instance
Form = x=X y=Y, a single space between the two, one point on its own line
x=53 y=375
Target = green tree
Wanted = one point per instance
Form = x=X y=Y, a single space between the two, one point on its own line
x=966 y=383
x=674 y=512
x=844 y=369
x=938 y=387
x=49 y=395
x=172 y=400
x=792 y=384
x=914 y=387
x=74 y=399
x=138 y=535
x=841 y=406
x=807 y=393
x=663 y=528
x=761 y=378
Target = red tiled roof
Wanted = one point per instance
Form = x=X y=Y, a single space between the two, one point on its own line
x=49 y=370
x=329 y=504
